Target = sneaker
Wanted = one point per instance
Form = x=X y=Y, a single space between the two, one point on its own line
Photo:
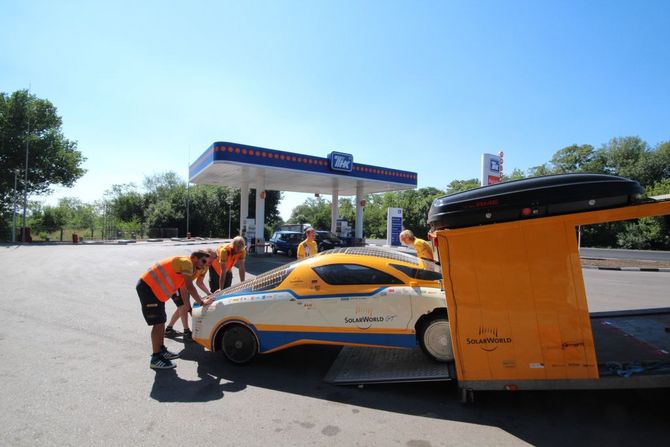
x=188 y=335
x=160 y=362
x=171 y=333
x=167 y=355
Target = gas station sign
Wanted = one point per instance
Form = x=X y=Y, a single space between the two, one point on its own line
x=393 y=226
x=491 y=169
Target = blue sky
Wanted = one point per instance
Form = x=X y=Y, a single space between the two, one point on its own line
x=145 y=87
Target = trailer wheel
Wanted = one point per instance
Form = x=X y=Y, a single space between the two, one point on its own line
x=435 y=339
x=239 y=344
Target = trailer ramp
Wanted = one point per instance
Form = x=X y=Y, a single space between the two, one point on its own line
x=362 y=365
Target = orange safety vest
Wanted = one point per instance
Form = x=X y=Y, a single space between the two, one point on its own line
x=230 y=260
x=162 y=279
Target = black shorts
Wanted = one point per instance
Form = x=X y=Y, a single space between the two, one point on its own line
x=177 y=299
x=214 y=279
x=153 y=309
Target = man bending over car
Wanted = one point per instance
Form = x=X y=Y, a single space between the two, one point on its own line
x=155 y=287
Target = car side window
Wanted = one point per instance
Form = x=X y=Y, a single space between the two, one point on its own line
x=418 y=273
x=350 y=274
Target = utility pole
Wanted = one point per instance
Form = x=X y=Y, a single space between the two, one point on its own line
x=187 y=209
x=25 y=183
x=104 y=219
x=16 y=193
x=188 y=180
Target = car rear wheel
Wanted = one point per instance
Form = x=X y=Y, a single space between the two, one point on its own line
x=239 y=344
x=290 y=253
x=435 y=339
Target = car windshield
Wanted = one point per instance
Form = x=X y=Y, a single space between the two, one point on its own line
x=266 y=281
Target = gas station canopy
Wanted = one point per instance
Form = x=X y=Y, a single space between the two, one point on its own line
x=231 y=164
x=242 y=166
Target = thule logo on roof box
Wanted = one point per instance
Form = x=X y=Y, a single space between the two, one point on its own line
x=340 y=161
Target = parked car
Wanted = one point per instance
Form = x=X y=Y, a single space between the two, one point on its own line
x=363 y=296
x=286 y=241
x=326 y=240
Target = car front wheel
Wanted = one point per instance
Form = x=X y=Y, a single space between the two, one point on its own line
x=239 y=344
x=435 y=339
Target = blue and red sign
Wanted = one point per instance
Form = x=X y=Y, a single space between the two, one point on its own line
x=341 y=162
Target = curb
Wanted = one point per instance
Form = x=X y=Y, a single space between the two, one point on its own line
x=628 y=269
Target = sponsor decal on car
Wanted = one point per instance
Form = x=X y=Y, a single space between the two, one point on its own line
x=365 y=319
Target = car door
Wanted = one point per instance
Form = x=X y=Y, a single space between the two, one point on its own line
x=359 y=297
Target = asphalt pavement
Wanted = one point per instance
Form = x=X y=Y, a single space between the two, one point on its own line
x=615 y=253
x=75 y=371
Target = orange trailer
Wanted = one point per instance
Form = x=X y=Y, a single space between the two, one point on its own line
x=518 y=310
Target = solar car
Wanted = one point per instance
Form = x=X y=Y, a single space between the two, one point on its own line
x=355 y=296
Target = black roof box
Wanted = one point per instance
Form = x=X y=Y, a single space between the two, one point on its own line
x=533 y=197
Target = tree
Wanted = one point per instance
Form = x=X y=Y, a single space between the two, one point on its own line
x=125 y=203
x=627 y=157
x=656 y=165
x=53 y=159
x=575 y=158
x=537 y=171
x=517 y=174
x=659 y=188
x=462 y=185
x=315 y=211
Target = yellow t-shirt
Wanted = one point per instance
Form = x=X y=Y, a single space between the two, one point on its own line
x=307 y=249
x=183 y=265
x=424 y=250
x=200 y=273
x=222 y=257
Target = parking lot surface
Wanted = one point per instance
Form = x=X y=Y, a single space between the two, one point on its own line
x=75 y=371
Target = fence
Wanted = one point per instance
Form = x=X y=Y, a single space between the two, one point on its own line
x=42 y=234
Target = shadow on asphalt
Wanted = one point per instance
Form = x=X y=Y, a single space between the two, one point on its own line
x=629 y=417
x=169 y=387
x=619 y=417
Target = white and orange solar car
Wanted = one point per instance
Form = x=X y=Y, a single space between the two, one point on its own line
x=356 y=296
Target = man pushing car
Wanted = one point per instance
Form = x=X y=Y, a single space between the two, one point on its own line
x=156 y=286
x=227 y=255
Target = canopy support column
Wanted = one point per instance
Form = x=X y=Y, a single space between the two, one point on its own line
x=244 y=205
x=260 y=207
x=360 y=203
x=334 y=211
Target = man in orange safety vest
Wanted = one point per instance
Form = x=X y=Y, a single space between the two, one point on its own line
x=227 y=255
x=156 y=286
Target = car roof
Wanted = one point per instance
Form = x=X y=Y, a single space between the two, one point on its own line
x=272 y=278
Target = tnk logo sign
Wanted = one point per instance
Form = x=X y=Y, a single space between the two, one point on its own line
x=340 y=161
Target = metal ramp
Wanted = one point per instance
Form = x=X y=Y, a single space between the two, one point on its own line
x=360 y=365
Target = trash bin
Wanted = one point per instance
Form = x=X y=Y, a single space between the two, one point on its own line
x=75 y=238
